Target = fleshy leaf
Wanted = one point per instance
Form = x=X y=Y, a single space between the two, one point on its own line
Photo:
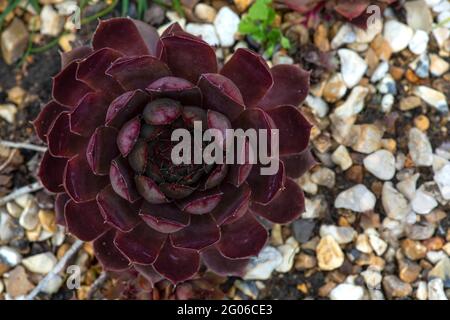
x=216 y=176
x=290 y=86
x=221 y=265
x=122 y=180
x=80 y=182
x=234 y=204
x=176 y=88
x=250 y=74
x=201 y=232
x=188 y=57
x=285 y=208
x=77 y=53
x=243 y=238
x=294 y=129
x=60 y=202
x=67 y=90
x=46 y=117
x=84 y=220
x=266 y=187
x=125 y=107
x=351 y=9
x=102 y=149
x=107 y=253
x=176 y=190
x=61 y=141
x=149 y=273
x=221 y=94
x=298 y=164
x=51 y=172
x=201 y=202
x=128 y=36
x=89 y=114
x=138 y=157
x=137 y=72
x=162 y=112
x=177 y=264
x=149 y=190
x=192 y=114
x=117 y=211
x=165 y=218
x=141 y=245
x=91 y=71
x=128 y=135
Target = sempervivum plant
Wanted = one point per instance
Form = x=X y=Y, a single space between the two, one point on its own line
x=108 y=129
x=352 y=10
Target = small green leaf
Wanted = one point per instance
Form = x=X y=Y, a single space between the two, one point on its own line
x=285 y=43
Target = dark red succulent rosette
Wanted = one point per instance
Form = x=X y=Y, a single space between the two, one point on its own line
x=108 y=131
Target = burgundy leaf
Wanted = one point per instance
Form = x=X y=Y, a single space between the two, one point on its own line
x=192 y=114
x=89 y=114
x=216 y=176
x=250 y=74
x=149 y=190
x=290 y=86
x=91 y=71
x=201 y=233
x=288 y=206
x=351 y=9
x=239 y=171
x=221 y=94
x=77 y=53
x=220 y=122
x=137 y=72
x=80 y=182
x=201 y=202
x=46 y=117
x=234 y=204
x=298 y=164
x=117 y=211
x=177 y=264
x=294 y=129
x=149 y=273
x=188 y=57
x=176 y=88
x=102 y=149
x=61 y=141
x=215 y=261
x=125 y=107
x=128 y=36
x=60 y=202
x=84 y=220
x=165 y=218
x=51 y=171
x=138 y=157
x=122 y=180
x=141 y=245
x=67 y=90
x=162 y=112
x=128 y=135
x=266 y=187
x=107 y=253
x=243 y=238
x=176 y=190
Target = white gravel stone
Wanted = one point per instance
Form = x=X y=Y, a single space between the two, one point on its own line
x=367 y=138
x=438 y=66
x=408 y=186
x=262 y=266
x=380 y=71
x=381 y=164
x=342 y=158
x=372 y=278
x=324 y=176
x=422 y=291
x=436 y=290
x=53 y=285
x=432 y=97
x=397 y=34
x=394 y=203
x=8 y=112
x=206 y=31
x=423 y=202
x=353 y=67
x=41 y=263
x=387 y=102
x=418 y=15
x=421 y=66
x=379 y=245
x=442 y=178
x=29 y=218
x=419 y=42
x=51 y=22
x=441 y=34
x=420 y=148
x=288 y=252
x=368 y=34
x=318 y=105
x=354 y=103
x=357 y=198
x=342 y=235
x=387 y=85
x=345 y=35
x=10 y=256
x=345 y=291
x=226 y=23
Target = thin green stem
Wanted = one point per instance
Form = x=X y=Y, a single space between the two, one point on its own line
x=8 y=9
x=125 y=5
x=100 y=14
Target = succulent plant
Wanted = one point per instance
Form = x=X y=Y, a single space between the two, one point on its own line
x=353 y=10
x=108 y=129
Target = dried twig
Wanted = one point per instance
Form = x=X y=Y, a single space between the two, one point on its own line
x=97 y=285
x=8 y=161
x=22 y=145
x=57 y=269
x=20 y=192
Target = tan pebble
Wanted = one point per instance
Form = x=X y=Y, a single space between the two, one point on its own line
x=329 y=254
x=389 y=144
x=434 y=244
x=409 y=103
x=414 y=250
x=321 y=38
x=242 y=5
x=16 y=95
x=325 y=290
x=48 y=220
x=62 y=250
x=396 y=73
x=303 y=288
x=409 y=271
x=305 y=261
x=422 y=122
